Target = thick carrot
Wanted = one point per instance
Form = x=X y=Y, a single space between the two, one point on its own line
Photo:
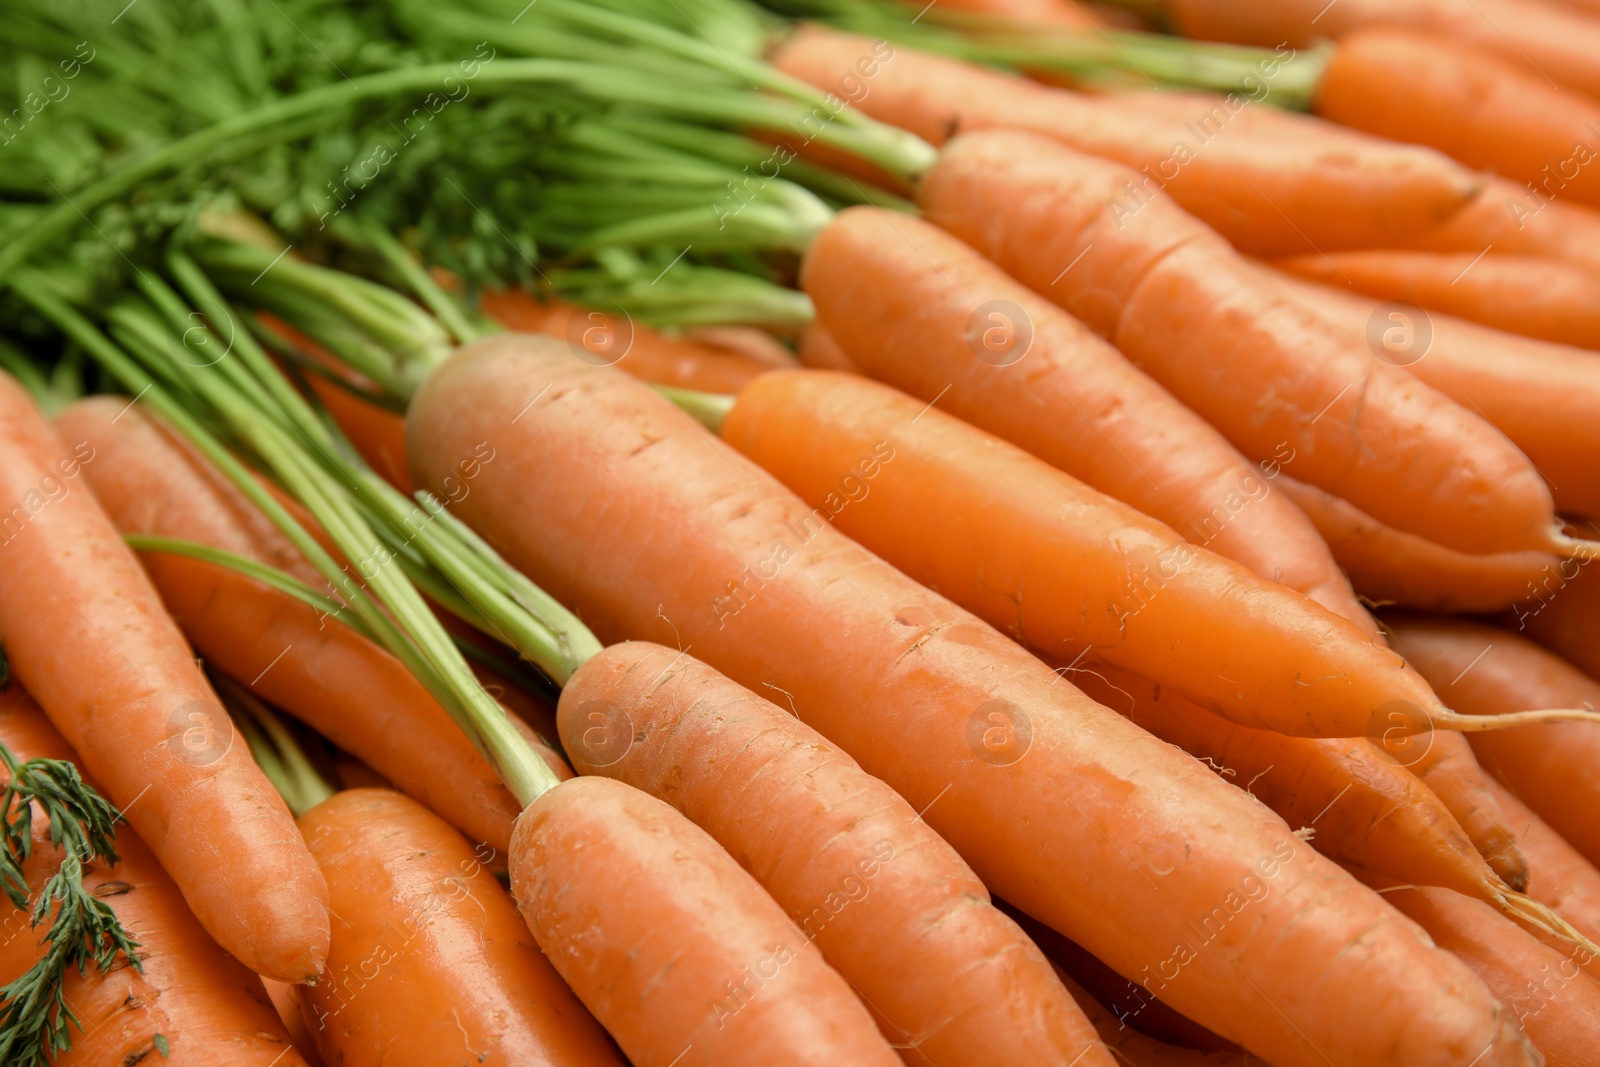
x=1538 y=298
x=1059 y=805
x=1364 y=810
x=1063 y=568
x=610 y=340
x=594 y=855
x=1484 y=671
x=1390 y=566
x=890 y=905
x=1172 y=295
x=1541 y=395
x=920 y=310
x=429 y=954
x=193 y=1004
x=86 y=633
x=315 y=668
x=1480 y=109
x=1557 y=1005
x=1522 y=219
x=1280 y=182
x=1563 y=614
x=1540 y=39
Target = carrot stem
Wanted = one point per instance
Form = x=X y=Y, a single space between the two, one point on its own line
x=708 y=409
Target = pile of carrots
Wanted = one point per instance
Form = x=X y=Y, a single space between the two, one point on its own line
x=1090 y=570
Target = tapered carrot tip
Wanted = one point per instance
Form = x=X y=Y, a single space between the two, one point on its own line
x=678 y=952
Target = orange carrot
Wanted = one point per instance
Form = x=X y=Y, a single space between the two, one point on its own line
x=193 y=1004
x=287 y=1006
x=594 y=855
x=1563 y=614
x=428 y=952
x=1484 y=671
x=1521 y=219
x=86 y=633
x=608 y=340
x=1562 y=878
x=619 y=506
x=1543 y=40
x=1539 y=298
x=1542 y=396
x=890 y=905
x=1282 y=184
x=1480 y=109
x=1557 y=1005
x=820 y=351
x=925 y=323
x=1390 y=566
x=1134 y=1048
x=1067 y=14
x=1276 y=380
x=1063 y=568
x=315 y=668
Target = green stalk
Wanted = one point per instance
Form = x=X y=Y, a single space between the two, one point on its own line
x=708 y=409
x=281 y=759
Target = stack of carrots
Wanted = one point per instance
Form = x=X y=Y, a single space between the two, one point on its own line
x=1086 y=557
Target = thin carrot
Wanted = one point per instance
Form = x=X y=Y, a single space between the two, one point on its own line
x=890 y=905
x=1172 y=295
x=287 y=1006
x=428 y=952
x=1562 y=878
x=1067 y=14
x=1542 y=396
x=926 y=324
x=1363 y=810
x=1539 y=298
x=611 y=340
x=86 y=633
x=1523 y=219
x=1288 y=183
x=593 y=855
x=1478 y=108
x=1484 y=671
x=1448 y=767
x=1563 y=615
x=192 y=1004
x=1536 y=38
x=1557 y=1005
x=1390 y=566
x=820 y=351
x=315 y=668
x=1064 y=568
x=1045 y=793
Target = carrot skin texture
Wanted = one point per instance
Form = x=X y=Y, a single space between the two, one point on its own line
x=315 y=668
x=620 y=557
x=1562 y=611
x=86 y=633
x=287 y=1005
x=1541 y=395
x=1482 y=670
x=819 y=351
x=1523 y=295
x=1071 y=399
x=1366 y=811
x=1181 y=304
x=210 y=1008
x=1395 y=567
x=586 y=852
x=1562 y=878
x=1521 y=219
x=458 y=978
x=1447 y=765
x=890 y=905
x=1266 y=179
x=1059 y=566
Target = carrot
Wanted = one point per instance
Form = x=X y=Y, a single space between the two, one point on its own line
x=1538 y=298
x=595 y=855
x=315 y=668
x=428 y=952
x=1393 y=567
x=1286 y=184
x=1275 y=379
x=1063 y=568
x=607 y=340
x=1543 y=41
x=1044 y=793
x=1134 y=1048
x=1563 y=615
x=820 y=351
x=1542 y=396
x=287 y=1006
x=1067 y=14
x=1053 y=389
x=192 y=1004
x=1477 y=108
x=750 y=343
x=1520 y=219
x=1485 y=671
x=1557 y=1005
x=86 y=633
x=890 y=905
x=1562 y=878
